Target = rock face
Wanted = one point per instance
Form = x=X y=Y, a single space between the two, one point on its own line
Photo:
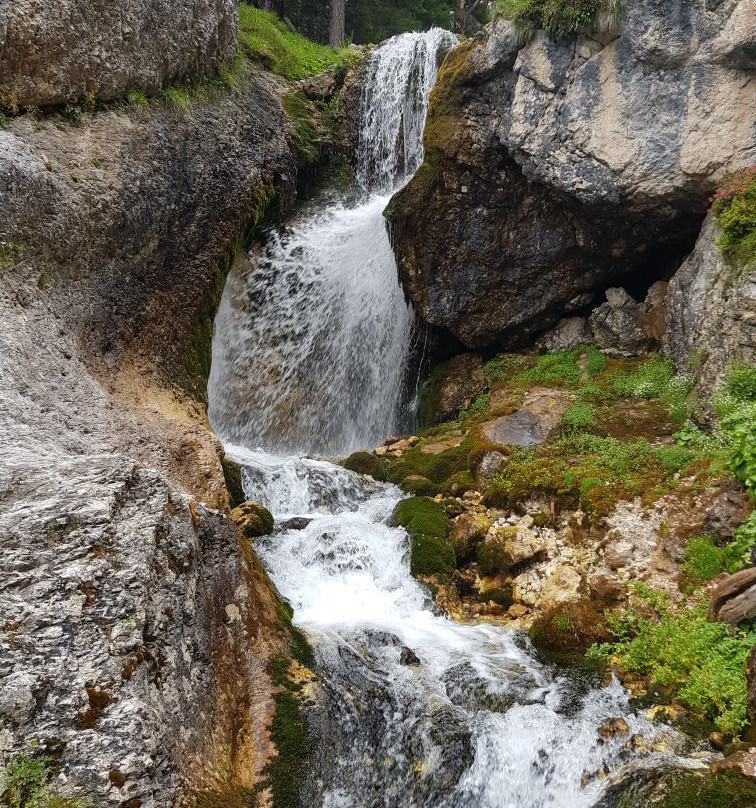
x=554 y=169
x=711 y=312
x=95 y=46
x=733 y=600
x=137 y=624
x=451 y=388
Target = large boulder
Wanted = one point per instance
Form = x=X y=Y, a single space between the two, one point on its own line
x=733 y=600
x=554 y=169
x=51 y=55
x=711 y=312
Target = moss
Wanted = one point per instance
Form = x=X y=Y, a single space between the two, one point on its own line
x=253 y=519
x=569 y=629
x=301 y=650
x=233 y=477
x=459 y=483
x=501 y=595
x=438 y=468
x=703 y=559
x=420 y=486
x=366 y=463
x=231 y=797
x=419 y=515
x=310 y=140
x=430 y=555
x=289 y=732
x=493 y=559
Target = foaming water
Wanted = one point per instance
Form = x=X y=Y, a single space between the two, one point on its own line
x=312 y=339
x=309 y=357
x=478 y=721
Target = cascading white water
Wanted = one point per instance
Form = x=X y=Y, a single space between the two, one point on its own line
x=309 y=357
x=312 y=338
x=478 y=722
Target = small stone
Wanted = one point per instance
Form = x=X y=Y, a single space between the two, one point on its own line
x=390 y=439
x=613 y=727
x=518 y=611
x=718 y=741
x=408 y=657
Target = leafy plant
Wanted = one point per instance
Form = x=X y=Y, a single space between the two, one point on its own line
x=702 y=663
x=734 y=207
x=578 y=416
x=25 y=778
x=739 y=552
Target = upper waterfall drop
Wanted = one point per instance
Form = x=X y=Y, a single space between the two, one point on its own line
x=313 y=336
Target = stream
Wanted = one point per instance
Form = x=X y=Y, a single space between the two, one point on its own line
x=310 y=360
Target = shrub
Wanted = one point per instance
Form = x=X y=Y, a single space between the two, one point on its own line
x=739 y=552
x=701 y=663
x=741 y=382
x=734 y=207
x=703 y=559
x=560 y=17
x=743 y=458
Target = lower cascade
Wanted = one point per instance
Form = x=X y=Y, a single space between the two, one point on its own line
x=420 y=710
x=310 y=357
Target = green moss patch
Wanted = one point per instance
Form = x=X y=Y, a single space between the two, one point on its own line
x=366 y=463
x=419 y=515
x=233 y=478
x=703 y=559
x=569 y=629
x=560 y=18
x=734 y=206
x=430 y=555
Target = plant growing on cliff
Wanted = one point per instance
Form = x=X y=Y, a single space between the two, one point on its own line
x=734 y=207
x=264 y=38
x=24 y=780
x=559 y=18
x=702 y=663
x=738 y=554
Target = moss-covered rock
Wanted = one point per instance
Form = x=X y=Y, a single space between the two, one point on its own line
x=569 y=629
x=431 y=556
x=419 y=515
x=430 y=552
x=501 y=595
x=366 y=463
x=493 y=558
x=253 y=519
x=233 y=477
x=419 y=485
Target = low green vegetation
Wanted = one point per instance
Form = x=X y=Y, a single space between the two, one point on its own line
x=701 y=663
x=734 y=207
x=559 y=18
x=265 y=39
x=10 y=253
x=693 y=788
x=703 y=559
x=740 y=552
x=25 y=783
x=428 y=527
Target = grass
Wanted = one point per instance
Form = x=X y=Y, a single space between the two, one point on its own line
x=10 y=253
x=25 y=783
x=701 y=663
x=267 y=40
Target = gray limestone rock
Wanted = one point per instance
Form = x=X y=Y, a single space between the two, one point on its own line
x=55 y=53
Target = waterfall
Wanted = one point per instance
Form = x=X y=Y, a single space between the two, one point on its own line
x=313 y=336
x=414 y=710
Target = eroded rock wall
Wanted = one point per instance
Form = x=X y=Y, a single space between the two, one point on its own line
x=136 y=625
x=555 y=170
x=54 y=52
x=711 y=313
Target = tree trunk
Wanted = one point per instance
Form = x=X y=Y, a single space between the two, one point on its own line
x=338 y=21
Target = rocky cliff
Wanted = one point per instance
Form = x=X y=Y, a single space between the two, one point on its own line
x=137 y=626
x=560 y=168
x=54 y=54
